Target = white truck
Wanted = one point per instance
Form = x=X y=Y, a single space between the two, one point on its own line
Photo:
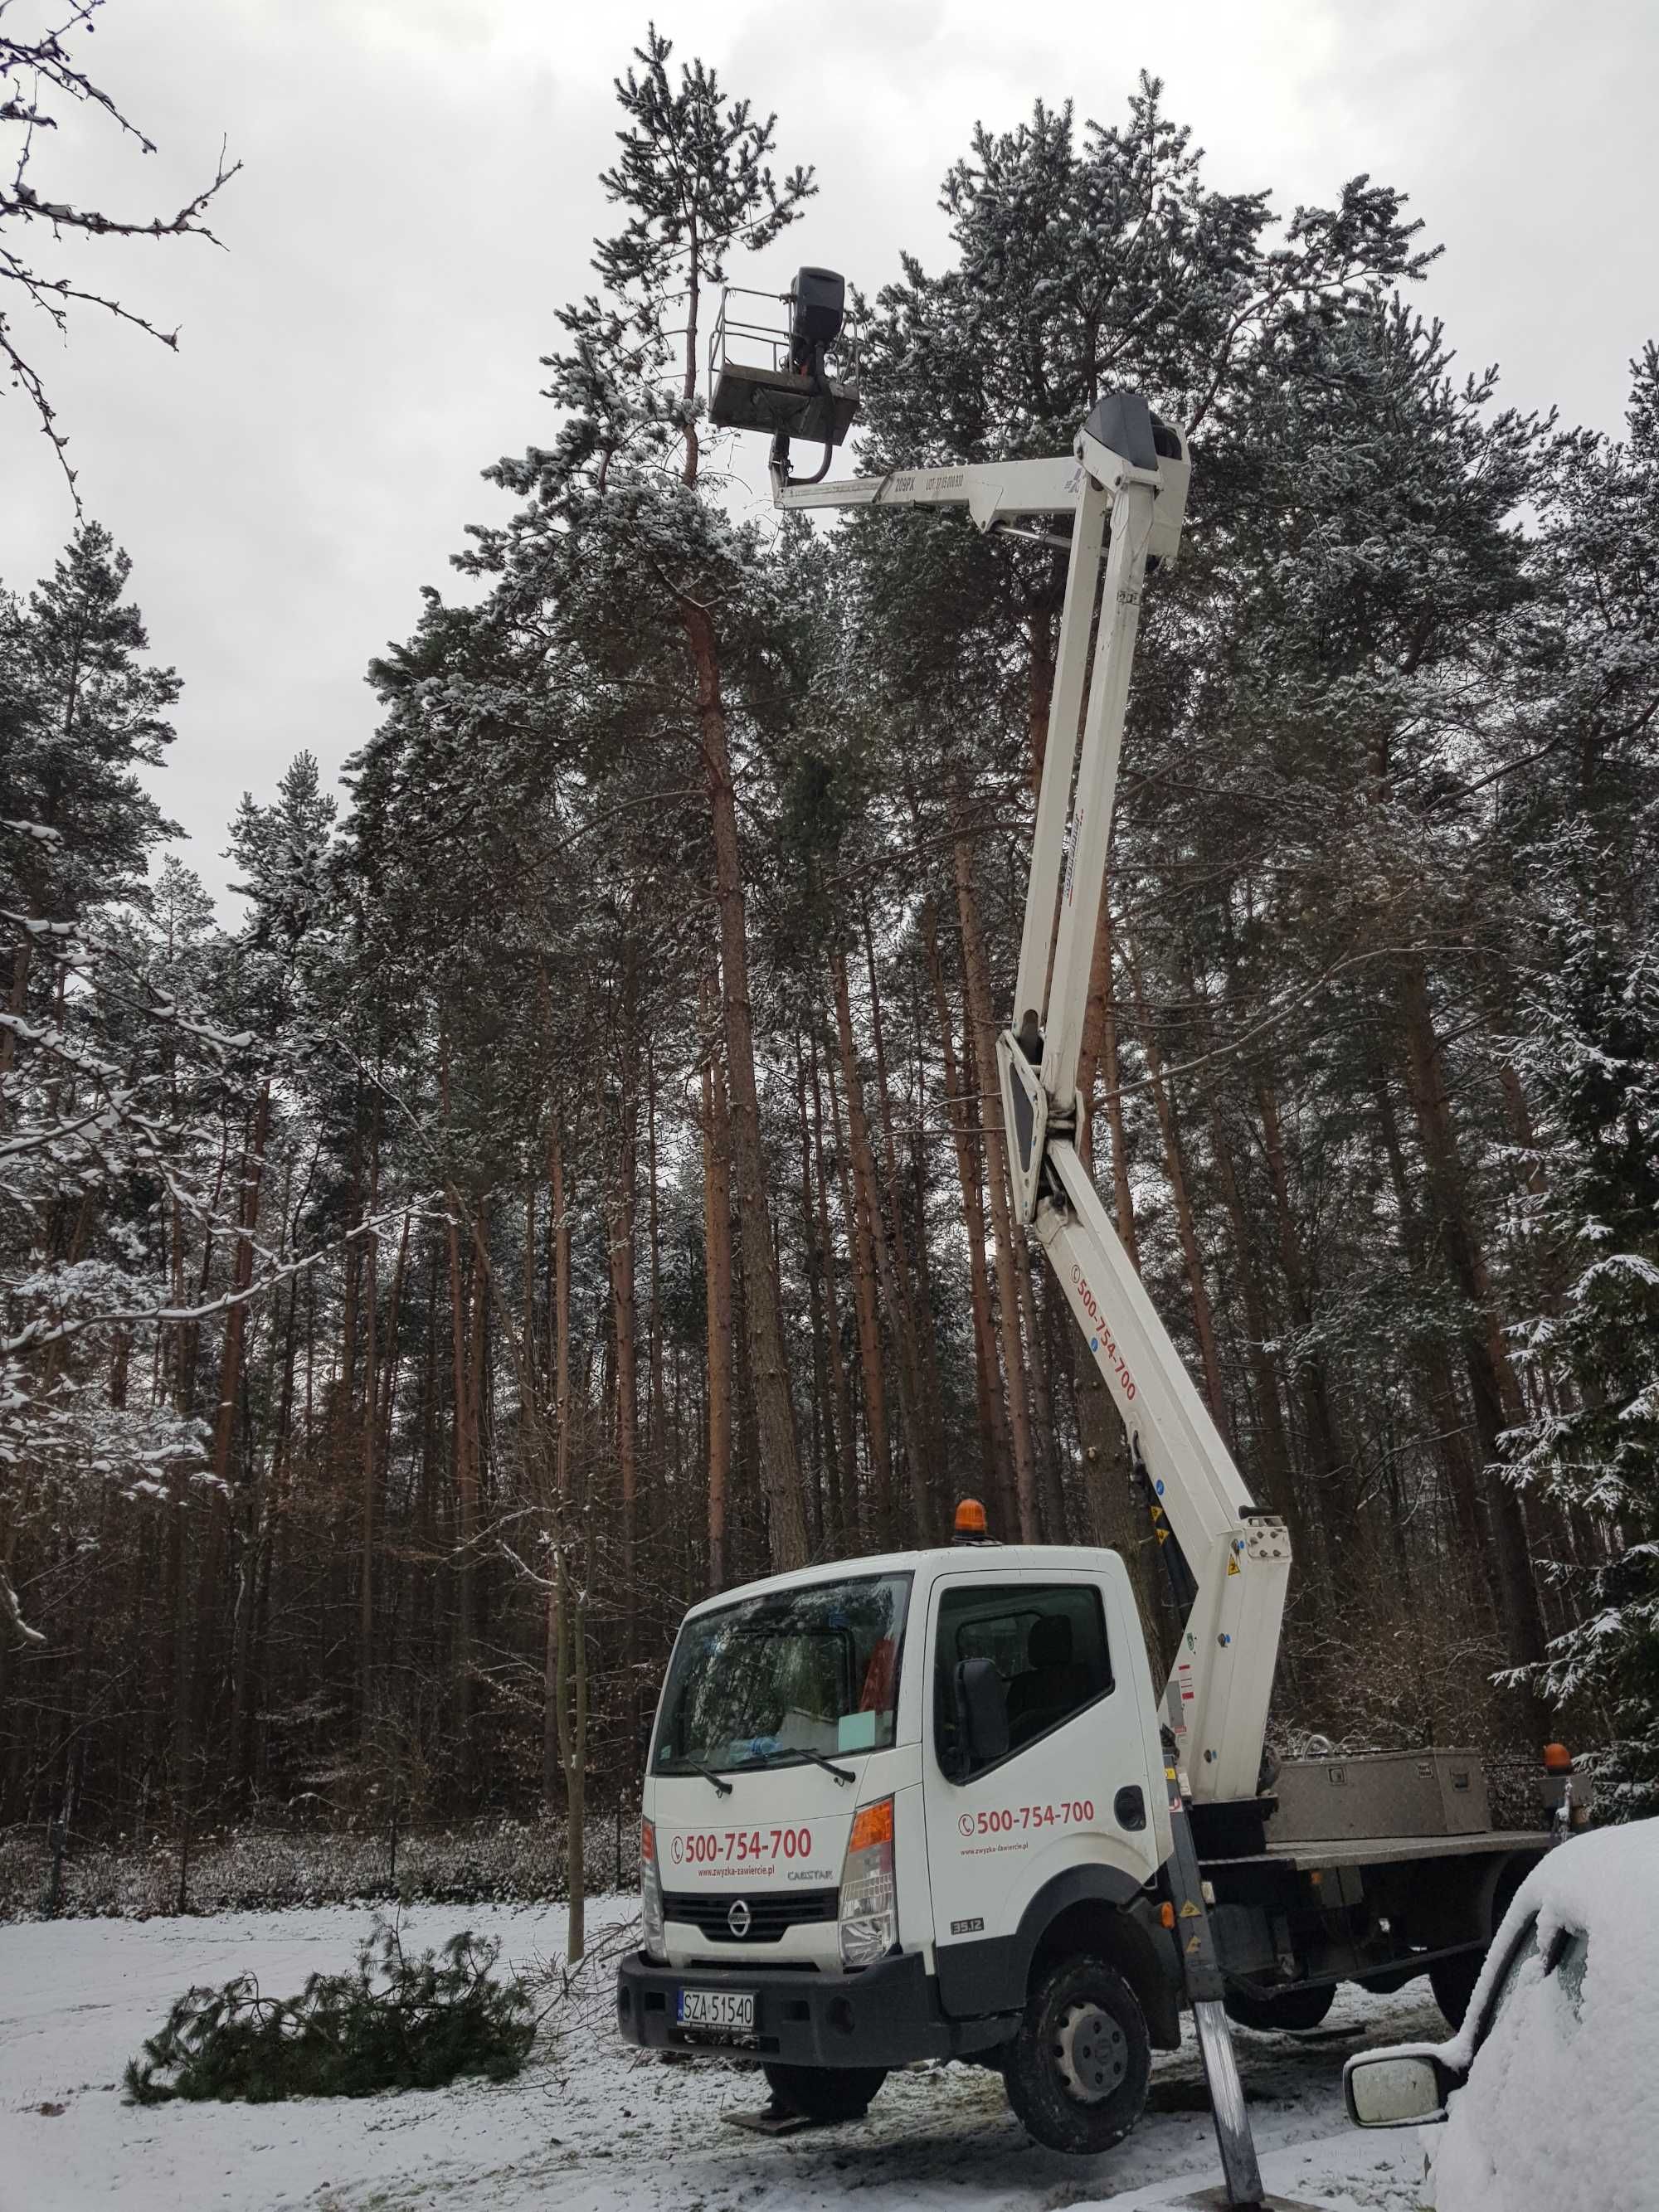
x=932 y=1805
x=915 y=1807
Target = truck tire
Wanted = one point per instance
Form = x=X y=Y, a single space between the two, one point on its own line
x=1294 y=2011
x=1453 y=1982
x=1079 y=2063
x=1384 y=1985
x=825 y=2093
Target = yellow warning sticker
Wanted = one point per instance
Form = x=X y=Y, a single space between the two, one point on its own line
x=1192 y=1947
x=1232 y=1565
x=1189 y=1910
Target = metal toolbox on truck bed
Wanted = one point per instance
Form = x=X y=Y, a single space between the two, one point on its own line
x=1392 y=1793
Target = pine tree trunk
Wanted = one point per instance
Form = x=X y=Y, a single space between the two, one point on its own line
x=845 y=1486
x=1459 y=1471
x=1117 y=1512
x=1174 y=1170
x=911 y=1321
x=1273 y=1453
x=23 y=960
x=717 y=1247
x=863 y=1231
x=1044 y=1452
x=371 y=1410
x=571 y=1706
x=932 y=1386
x=977 y=979
x=1498 y=1402
x=427 y=1507
x=620 y=1225
x=253 y=1626
x=1098 y=1052
x=779 y=1466
x=887 y=1251
x=826 y=1474
x=468 y=1299
x=462 y=1562
x=552 y=1753
x=230 y=1382
x=653 y=1321
x=1332 y=1469
x=962 y=1118
x=343 y=1386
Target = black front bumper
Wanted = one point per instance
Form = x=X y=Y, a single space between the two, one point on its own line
x=885 y=2016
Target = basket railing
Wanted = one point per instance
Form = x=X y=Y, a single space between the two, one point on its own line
x=757 y=335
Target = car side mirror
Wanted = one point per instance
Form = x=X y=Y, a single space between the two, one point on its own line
x=1385 y=2090
x=981 y=1712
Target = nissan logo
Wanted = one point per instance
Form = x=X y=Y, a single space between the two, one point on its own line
x=737 y=1919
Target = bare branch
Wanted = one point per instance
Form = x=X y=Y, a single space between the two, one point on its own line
x=47 y=63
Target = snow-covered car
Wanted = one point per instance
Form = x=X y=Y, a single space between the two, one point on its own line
x=1550 y=2090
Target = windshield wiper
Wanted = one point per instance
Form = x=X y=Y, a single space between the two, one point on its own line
x=799 y=1751
x=709 y=1775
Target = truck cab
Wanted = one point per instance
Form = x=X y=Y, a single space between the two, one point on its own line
x=885 y=1803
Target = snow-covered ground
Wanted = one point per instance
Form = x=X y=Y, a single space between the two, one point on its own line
x=592 y=2126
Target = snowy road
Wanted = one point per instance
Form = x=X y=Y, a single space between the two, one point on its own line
x=591 y=2126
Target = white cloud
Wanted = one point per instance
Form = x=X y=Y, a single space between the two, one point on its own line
x=421 y=191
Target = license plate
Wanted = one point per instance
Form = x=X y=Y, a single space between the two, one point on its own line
x=733 y=2010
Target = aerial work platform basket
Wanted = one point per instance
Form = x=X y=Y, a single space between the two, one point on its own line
x=794 y=373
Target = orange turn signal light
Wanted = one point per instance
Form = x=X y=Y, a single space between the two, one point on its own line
x=1558 y=1760
x=647 y=1841
x=1166 y=1913
x=872 y=1824
x=970 y=1518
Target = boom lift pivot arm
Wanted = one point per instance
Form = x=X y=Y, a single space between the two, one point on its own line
x=1124 y=487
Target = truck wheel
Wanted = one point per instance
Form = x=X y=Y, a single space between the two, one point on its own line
x=825 y=2093
x=1385 y=1984
x=1292 y=2010
x=1453 y=1982
x=1077 y=2066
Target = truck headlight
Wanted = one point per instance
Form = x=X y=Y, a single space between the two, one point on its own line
x=651 y=1916
x=869 y=1894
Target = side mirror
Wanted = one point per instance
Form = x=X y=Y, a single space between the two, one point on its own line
x=981 y=1712
x=1385 y=2090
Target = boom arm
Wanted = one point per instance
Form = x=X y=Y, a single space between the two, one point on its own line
x=1126 y=489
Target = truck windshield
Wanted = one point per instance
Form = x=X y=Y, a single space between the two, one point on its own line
x=777 y=1677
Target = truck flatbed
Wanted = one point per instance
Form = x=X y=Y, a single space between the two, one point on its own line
x=1305 y=1854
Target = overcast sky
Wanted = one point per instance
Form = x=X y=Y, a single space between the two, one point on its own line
x=420 y=193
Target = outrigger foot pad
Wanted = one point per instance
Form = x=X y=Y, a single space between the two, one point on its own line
x=772 y=2120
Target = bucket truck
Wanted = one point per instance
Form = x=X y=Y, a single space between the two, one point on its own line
x=931 y=1804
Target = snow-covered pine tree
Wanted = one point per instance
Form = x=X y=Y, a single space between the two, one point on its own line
x=123 y=1243
x=660 y=598
x=1371 y=685
x=1088 y=256
x=81 y=1130
x=1588 y=1051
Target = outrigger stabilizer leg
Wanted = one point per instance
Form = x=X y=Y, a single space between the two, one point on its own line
x=1202 y=1976
x=1240 y=2189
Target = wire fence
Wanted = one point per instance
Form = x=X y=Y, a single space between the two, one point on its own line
x=47 y=1872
